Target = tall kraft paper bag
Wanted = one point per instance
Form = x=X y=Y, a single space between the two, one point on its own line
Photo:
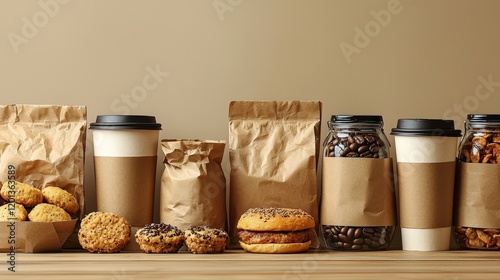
x=193 y=185
x=273 y=151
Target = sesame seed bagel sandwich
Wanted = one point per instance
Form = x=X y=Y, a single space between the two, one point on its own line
x=275 y=230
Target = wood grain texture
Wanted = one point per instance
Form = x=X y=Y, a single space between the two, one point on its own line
x=235 y=264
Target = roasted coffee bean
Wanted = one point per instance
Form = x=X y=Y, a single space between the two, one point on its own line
x=374 y=148
x=356 y=145
x=357 y=238
x=368 y=231
x=367 y=241
x=370 y=138
x=359 y=139
x=343 y=230
x=357 y=232
x=345 y=152
x=366 y=154
x=358 y=241
x=356 y=247
x=350 y=233
x=363 y=149
x=343 y=238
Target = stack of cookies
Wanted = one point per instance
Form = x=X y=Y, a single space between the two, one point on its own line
x=52 y=204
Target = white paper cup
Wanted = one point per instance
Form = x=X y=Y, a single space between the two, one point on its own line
x=125 y=156
x=426 y=151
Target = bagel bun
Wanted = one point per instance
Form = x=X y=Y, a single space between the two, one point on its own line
x=273 y=248
x=275 y=219
x=275 y=230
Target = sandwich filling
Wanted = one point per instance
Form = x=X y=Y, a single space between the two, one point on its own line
x=279 y=237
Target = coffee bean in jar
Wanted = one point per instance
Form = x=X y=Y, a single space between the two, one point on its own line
x=357 y=170
x=477 y=189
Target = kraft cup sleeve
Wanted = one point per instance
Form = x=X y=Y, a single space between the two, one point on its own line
x=426 y=194
x=273 y=154
x=128 y=194
x=477 y=195
x=36 y=237
x=358 y=192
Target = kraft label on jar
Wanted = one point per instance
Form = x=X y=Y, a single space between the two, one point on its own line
x=358 y=192
x=426 y=194
x=477 y=193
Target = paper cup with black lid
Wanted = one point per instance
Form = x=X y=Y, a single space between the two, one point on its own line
x=125 y=156
x=426 y=153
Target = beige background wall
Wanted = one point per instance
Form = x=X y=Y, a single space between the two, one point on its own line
x=430 y=59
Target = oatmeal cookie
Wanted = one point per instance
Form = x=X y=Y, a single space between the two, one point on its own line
x=26 y=195
x=7 y=211
x=61 y=198
x=104 y=232
x=45 y=212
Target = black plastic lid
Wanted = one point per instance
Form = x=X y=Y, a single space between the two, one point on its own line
x=483 y=118
x=117 y=122
x=426 y=127
x=374 y=119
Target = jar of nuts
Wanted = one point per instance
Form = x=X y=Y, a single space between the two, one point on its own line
x=477 y=187
x=358 y=202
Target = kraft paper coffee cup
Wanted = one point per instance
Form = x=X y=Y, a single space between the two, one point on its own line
x=426 y=152
x=125 y=154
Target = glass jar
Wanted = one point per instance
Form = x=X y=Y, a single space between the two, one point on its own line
x=479 y=145
x=355 y=136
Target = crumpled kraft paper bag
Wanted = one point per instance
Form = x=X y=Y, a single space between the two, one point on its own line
x=274 y=151
x=46 y=144
x=193 y=185
x=35 y=237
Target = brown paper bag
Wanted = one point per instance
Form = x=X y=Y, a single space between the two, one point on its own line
x=34 y=237
x=193 y=186
x=46 y=145
x=273 y=150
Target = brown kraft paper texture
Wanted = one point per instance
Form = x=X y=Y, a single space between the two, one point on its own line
x=193 y=185
x=477 y=195
x=426 y=194
x=358 y=192
x=140 y=181
x=35 y=237
x=46 y=145
x=273 y=150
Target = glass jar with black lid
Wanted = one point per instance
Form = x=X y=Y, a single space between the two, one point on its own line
x=477 y=187
x=356 y=164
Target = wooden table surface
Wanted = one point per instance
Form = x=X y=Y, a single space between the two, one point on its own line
x=236 y=264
